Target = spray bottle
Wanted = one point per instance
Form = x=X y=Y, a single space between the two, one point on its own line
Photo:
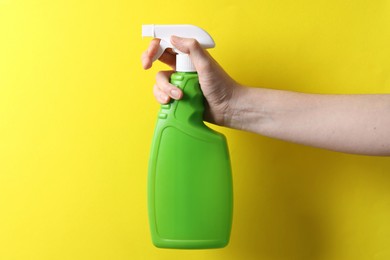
x=190 y=198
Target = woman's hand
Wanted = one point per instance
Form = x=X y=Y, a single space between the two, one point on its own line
x=219 y=89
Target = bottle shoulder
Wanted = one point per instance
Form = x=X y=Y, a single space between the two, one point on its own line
x=199 y=131
x=183 y=75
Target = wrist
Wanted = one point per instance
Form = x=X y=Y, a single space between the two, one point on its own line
x=251 y=109
x=236 y=107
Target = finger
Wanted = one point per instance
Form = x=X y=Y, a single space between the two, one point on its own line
x=147 y=56
x=169 y=58
x=160 y=96
x=199 y=57
x=153 y=47
x=162 y=81
x=146 y=62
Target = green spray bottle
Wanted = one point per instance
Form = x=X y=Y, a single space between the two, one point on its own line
x=190 y=198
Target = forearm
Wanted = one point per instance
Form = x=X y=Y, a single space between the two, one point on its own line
x=347 y=123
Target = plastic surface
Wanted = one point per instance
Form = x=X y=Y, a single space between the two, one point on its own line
x=189 y=182
x=184 y=63
x=164 y=33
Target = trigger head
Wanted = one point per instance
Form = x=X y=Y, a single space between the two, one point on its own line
x=161 y=48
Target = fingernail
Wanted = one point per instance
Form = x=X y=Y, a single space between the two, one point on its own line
x=175 y=93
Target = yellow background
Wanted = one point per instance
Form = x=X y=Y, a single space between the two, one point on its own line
x=77 y=116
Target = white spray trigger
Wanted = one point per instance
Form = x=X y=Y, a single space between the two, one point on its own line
x=164 y=33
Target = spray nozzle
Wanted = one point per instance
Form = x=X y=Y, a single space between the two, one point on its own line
x=164 y=33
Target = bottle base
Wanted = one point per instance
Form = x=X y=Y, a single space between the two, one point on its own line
x=189 y=244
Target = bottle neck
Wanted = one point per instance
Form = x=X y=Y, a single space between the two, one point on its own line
x=184 y=63
x=190 y=108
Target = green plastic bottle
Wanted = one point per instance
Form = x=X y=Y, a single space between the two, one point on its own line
x=190 y=196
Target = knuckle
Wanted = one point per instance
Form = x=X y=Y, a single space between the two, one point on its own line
x=156 y=91
x=162 y=81
x=193 y=43
x=205 y=66
x=159 y=75
x=162 y=76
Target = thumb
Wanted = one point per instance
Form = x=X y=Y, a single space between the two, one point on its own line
x=198 y=55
